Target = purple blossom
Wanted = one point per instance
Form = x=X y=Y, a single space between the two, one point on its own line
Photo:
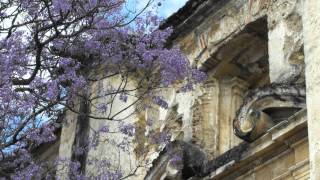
x=124 y=145
x=198 y=76
x=102 y=107
x=160 y=138
x=94 y=141
x=41 y=73
x=160 y=102
x=123 y=97
x=41 y=134
x=104 y=129
x=127 y=129
x=30 y=172
x=149 y=122
x=53 y=90
x=74 y=167
x=187 y=87
x=80 y=150
x=61 y=5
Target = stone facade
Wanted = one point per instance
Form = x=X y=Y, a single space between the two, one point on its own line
x=249 y=119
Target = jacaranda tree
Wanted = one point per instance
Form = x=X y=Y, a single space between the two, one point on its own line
x=48 y=52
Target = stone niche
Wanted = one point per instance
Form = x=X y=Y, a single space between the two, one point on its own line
x=237 y=66
x=244 y=56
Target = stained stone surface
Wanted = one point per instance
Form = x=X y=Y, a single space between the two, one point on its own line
x=243 y=46
x=311 y=23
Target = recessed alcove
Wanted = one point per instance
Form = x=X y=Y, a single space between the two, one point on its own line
x=279 y=114
x=238 y=65
x=244 y=56
x=241 y=67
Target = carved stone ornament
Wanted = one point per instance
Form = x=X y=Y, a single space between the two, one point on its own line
x=265 y=107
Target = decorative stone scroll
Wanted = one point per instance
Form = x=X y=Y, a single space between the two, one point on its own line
x=265 y=107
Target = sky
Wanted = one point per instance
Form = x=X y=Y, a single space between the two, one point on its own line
x=166 y=8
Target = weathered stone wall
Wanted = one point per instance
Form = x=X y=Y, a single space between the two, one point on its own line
x=222 y=25
x=213 y=114
x=48 y=152
x=217 y=41
x=176 y=119
x=108 y=144
x=311 y=33
x=67 y=137
x=290 y=164
x=281 y=154
x=241 y=45
x=285 y=42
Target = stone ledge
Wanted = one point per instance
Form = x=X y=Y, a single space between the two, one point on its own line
x=278 y=140
x=295 y=168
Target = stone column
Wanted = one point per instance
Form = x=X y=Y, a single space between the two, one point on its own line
x=210 y=109
x=311 y=32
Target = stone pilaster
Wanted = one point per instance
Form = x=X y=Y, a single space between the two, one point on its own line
x=206 y=119
x=231 y=97
x=67 y=137
x=311 y=33
x=214 y=112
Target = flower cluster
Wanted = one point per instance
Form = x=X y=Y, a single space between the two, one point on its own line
x=149 y=122
x=104 y=129
x=127 y=129
x=48 y=53
x=160 y=138
x=102 y=108
x=160 y=102
x=123 y=97
x=41 y=134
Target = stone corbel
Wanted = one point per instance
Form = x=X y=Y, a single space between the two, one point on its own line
x=265 y=107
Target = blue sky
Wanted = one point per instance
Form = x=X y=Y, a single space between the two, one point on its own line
x=167 y=7
x=170 y=6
